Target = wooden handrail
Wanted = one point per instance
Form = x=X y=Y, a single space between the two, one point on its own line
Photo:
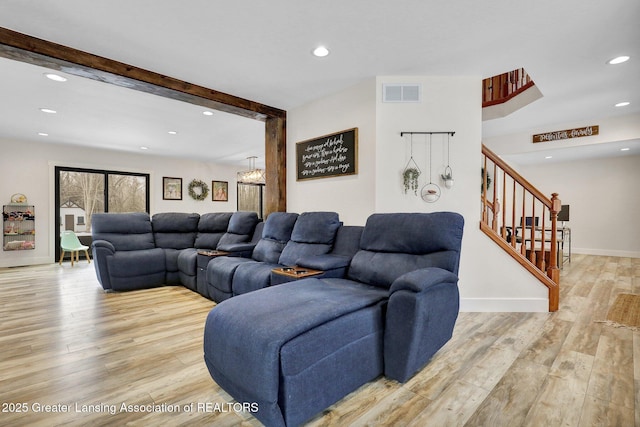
x=515 y=175
x=504 y=230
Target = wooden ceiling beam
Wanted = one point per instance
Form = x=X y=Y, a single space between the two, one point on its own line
x=32 y=50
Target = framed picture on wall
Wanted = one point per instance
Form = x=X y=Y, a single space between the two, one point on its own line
x=171 y=188
x=220 y=191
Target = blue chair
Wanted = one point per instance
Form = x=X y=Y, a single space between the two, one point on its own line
x=69 y=243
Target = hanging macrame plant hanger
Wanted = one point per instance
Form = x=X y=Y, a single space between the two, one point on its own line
x=411 y=173
x=430 y=192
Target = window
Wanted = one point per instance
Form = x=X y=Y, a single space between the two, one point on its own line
x=251 y=198
x=82 y=192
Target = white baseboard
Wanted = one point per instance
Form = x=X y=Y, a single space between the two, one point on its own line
x=606 y=252
x=16 y=262
x=497 y=305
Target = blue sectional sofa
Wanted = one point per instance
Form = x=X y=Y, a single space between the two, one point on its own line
x=383 y=299
x=134 y=251
x=298 y=347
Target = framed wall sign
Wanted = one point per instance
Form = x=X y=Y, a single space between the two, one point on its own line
x=329 y=155
x=566 y=134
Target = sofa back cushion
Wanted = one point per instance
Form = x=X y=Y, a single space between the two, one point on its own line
x=240 y=229
x=211 y=228
x=394 y=244
x=313 y=234
x=125 y=231
x=276 y=233
x=347 y=241
x=175 y=230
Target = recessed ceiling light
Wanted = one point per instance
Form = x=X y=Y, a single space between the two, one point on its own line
x=144 y=148
x=48 y=110
x=173 y=132
x=548 y=157
x=320 y=51
x=625 y=149
x=43 y=134
x=623 y=104
x=618 y=60
x=55 y=77
x=208 y=113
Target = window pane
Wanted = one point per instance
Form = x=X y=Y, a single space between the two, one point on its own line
x=127 y=193
x=81 y=194
x=250 y=198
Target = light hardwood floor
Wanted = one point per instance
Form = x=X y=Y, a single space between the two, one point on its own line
x=66 y=343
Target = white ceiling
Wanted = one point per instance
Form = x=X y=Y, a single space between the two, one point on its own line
x=261 y=51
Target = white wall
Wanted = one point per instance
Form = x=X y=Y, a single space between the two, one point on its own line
x=489 y=279
x=604 y=199
x=28 y=168
x=621 y=128
x=352 y=196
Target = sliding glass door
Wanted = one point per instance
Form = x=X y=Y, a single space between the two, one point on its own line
x=82 y=192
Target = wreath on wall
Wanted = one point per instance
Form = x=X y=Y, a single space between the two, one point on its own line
x=203 y=189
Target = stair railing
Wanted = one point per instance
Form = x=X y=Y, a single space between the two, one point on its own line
x=519 y=224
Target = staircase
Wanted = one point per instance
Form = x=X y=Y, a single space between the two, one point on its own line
x=522 y=221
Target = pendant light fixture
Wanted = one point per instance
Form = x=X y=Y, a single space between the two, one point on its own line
x=253 y=175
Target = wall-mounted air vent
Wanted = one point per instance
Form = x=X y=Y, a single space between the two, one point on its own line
x=401 y=93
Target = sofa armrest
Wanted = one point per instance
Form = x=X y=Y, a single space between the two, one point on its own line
x=323 y=262
x=238 y=249
x=101 y=250
x=103 y=244
x=421 y=313
x=422 y=280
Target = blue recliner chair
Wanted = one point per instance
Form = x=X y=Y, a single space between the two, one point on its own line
x=124 y=252
x=313 y=235
x=275 y=235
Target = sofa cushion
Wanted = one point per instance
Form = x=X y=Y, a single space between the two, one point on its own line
x=393 y=244
x=175 y=230
x=220 y=272
x=316 y=227
x=137 y=269
x=125 y=231
x=313 y=234
x=405 y=232
x=275 y=235
x=251 y=276
x=211 y=228
x=240 y=229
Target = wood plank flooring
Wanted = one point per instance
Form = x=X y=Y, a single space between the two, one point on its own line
x=67 y=344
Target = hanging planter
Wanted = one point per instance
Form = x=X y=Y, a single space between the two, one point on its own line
x=410 y=177
x=447 y=177
x=411 y=173
x=431 y=192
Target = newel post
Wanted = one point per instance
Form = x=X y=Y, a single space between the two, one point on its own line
x=553 y=272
